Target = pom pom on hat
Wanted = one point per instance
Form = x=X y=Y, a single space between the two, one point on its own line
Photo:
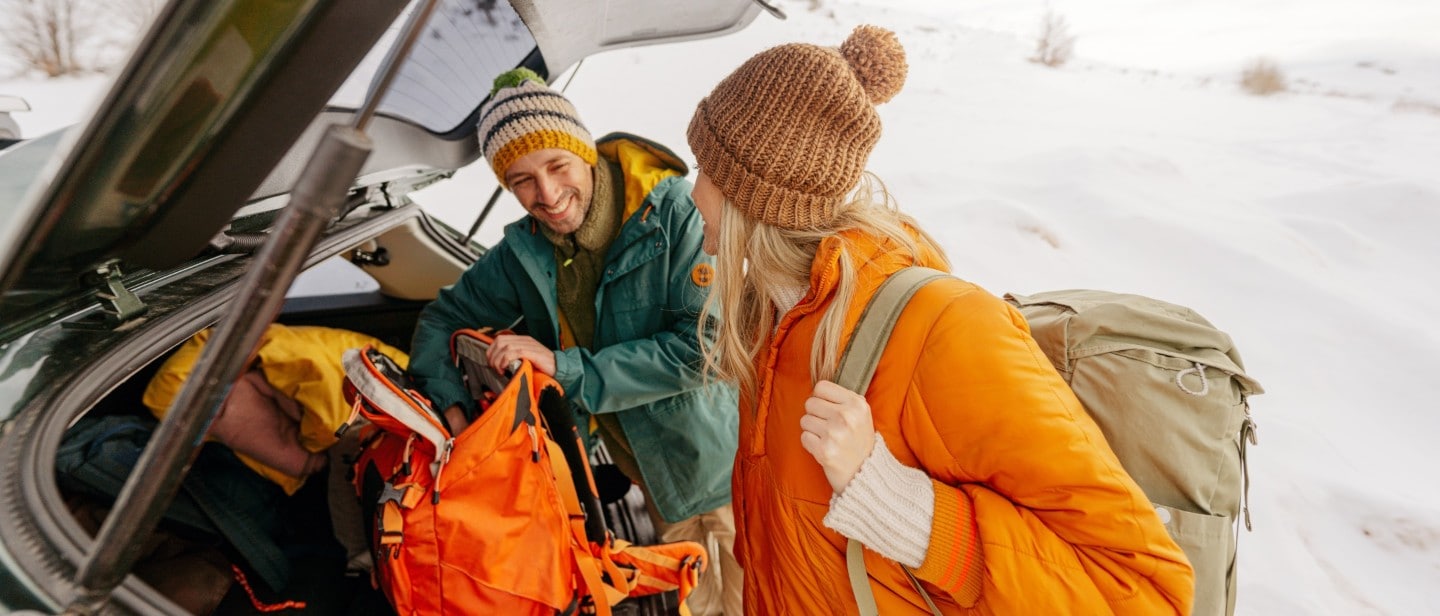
x=878 y=61
x=514 y=77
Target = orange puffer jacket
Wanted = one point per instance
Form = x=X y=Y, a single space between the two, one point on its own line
x=1033 y=513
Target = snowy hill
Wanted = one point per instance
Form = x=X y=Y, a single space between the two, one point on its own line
x=1301 y=223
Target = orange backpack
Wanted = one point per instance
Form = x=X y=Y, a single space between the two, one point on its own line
x=491 y=521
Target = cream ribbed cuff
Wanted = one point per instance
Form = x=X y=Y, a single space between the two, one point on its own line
x=888 y=507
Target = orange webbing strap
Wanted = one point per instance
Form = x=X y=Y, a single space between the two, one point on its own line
x=687 y=586
x=621 y=583
x=589 y=475
x=593 y=566
x=589 y=573
x=661 y=568
x=590 y=563
x=392 y=527
x=618 y=587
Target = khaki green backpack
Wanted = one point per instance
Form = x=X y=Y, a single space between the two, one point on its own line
x=1168 y=390
x=1170 y=393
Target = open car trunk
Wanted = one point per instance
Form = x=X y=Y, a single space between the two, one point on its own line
x=189 y=560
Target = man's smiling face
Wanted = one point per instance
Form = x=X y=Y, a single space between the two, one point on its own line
x=553 y=185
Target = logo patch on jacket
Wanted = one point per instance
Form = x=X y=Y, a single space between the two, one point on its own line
x=702 y=275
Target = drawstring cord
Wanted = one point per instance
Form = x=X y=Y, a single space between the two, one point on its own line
x=1204 y=382
x=256 y=602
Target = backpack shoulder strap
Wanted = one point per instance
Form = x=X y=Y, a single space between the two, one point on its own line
x=862 y=354
x=857 y=367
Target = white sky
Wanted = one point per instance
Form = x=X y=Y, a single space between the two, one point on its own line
x=1302 y=223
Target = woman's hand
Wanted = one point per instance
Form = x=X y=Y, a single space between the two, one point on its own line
x=838 y=431
x=509 y=349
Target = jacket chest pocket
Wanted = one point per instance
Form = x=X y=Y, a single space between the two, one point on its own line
x=634 y=319
x=634 y=304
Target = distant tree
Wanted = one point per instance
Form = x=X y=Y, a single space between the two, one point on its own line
x=1262 y=77
x=135 y=15
x=125 y=23
x=45 y=34
x=1055 y=44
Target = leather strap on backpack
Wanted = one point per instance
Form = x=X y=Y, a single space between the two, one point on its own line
x=857 y=367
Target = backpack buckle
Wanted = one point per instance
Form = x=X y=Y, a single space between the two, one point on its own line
x=390 y=517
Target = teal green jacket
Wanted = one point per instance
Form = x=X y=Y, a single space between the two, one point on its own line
x=646 y=366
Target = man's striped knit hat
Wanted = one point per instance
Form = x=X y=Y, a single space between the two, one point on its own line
x=524 y=115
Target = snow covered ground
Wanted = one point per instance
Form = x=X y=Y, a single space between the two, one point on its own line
x=1300 y=223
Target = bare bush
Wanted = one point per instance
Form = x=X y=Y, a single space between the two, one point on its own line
x=1416 y=106
x=125 y=23
x=44 y=35
x=1055 y=45
x=1262 y=77
x=135 y=15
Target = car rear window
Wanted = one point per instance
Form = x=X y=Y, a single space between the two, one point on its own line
x=464 y=46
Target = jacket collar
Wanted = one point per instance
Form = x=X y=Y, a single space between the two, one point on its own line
x=875 y=259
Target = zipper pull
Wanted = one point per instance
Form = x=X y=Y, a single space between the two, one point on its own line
x=405 y=458
x=534 y=444
x=444 y=458
x=354 y=412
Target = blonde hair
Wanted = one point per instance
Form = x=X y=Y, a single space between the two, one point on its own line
x=753 y=257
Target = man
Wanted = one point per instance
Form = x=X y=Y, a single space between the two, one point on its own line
x=605 y=282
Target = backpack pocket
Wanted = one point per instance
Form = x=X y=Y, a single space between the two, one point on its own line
x=1173 y=423
x=1209 y=544
x=511 y=491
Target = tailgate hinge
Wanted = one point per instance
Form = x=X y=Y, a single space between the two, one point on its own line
x=119 y=305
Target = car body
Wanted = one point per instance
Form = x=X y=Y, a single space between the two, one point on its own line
x=9 y=128
x=122 y=237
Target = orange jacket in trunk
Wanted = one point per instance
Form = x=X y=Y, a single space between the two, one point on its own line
x=1031 y=505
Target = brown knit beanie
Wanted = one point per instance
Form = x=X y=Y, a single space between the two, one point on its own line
x=786 y=135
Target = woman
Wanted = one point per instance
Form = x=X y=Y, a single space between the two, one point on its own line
x=972 y=463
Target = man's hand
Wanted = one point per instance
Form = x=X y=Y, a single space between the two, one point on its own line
x=838 y=431
x=511 y=348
